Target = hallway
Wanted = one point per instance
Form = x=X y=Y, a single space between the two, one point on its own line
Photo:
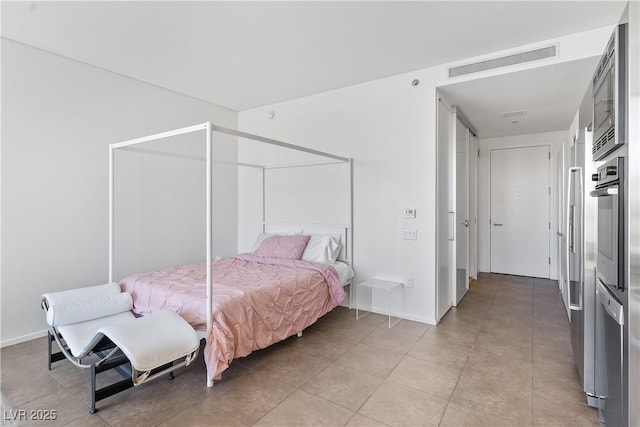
x=520 y=365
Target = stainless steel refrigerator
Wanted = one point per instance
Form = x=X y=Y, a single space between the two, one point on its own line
x=580 y=250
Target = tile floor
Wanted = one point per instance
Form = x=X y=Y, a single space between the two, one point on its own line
x=502 y=357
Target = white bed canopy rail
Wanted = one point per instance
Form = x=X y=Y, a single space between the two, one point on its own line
x=209 y=129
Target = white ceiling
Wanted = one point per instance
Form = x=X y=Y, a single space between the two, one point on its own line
x=247 y=54
x=550 y=96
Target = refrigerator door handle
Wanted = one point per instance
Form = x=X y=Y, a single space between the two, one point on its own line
x=581 y=274
x=570 y=227
x=452 y=226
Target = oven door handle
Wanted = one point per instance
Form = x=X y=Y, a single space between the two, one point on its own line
x=611 y=191
x=610 y=305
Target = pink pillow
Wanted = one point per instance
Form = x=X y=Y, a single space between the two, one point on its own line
x=290 y=246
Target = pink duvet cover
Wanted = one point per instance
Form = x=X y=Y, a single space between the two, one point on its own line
x=256 y=301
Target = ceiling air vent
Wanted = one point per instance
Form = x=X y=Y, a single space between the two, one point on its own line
x=517 y=58
x=512 y=114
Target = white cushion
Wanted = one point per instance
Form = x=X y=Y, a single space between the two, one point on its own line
x=82 y=337
x=322 y=248
x=90 y=292
x=81 y=310
x=153 y=340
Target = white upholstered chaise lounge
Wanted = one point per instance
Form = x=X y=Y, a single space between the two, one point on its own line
x=95 y=329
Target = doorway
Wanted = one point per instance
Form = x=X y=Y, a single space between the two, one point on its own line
x=520 y=224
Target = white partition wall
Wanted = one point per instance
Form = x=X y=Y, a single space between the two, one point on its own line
x=445 y=218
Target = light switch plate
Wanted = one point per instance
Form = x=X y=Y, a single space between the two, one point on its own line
x=410 y=213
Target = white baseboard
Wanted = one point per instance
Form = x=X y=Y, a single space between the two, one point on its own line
x=23 y=338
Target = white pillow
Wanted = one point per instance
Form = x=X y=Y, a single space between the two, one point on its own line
x=322 y=248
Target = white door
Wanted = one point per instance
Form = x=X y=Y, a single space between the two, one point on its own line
x=462 y=211
x=520 y=225
x=445 y=225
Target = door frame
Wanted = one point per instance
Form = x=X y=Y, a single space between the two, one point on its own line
x=560 y=226
x=550 y=205
x=456 y=117
x=474 y=154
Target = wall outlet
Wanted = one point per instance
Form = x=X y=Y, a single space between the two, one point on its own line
x=409 y=283
x=410 y=234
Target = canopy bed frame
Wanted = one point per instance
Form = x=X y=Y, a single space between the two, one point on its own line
x=209 y=129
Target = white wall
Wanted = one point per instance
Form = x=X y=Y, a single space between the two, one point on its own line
x=554 y=140
x=388 y=127
x=384 y=127
x=58 y=118
x=323 y=199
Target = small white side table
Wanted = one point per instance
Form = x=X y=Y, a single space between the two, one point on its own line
x=392 y=289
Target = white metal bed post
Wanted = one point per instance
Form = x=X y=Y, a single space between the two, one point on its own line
x=352 y=289
x=209 y=190
x=110 y=214
x=264 y=198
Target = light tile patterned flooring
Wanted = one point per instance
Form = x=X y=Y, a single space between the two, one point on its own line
x=502 y=357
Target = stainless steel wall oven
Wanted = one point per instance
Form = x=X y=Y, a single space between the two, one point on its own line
x=611 y=343
x=610 y=259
